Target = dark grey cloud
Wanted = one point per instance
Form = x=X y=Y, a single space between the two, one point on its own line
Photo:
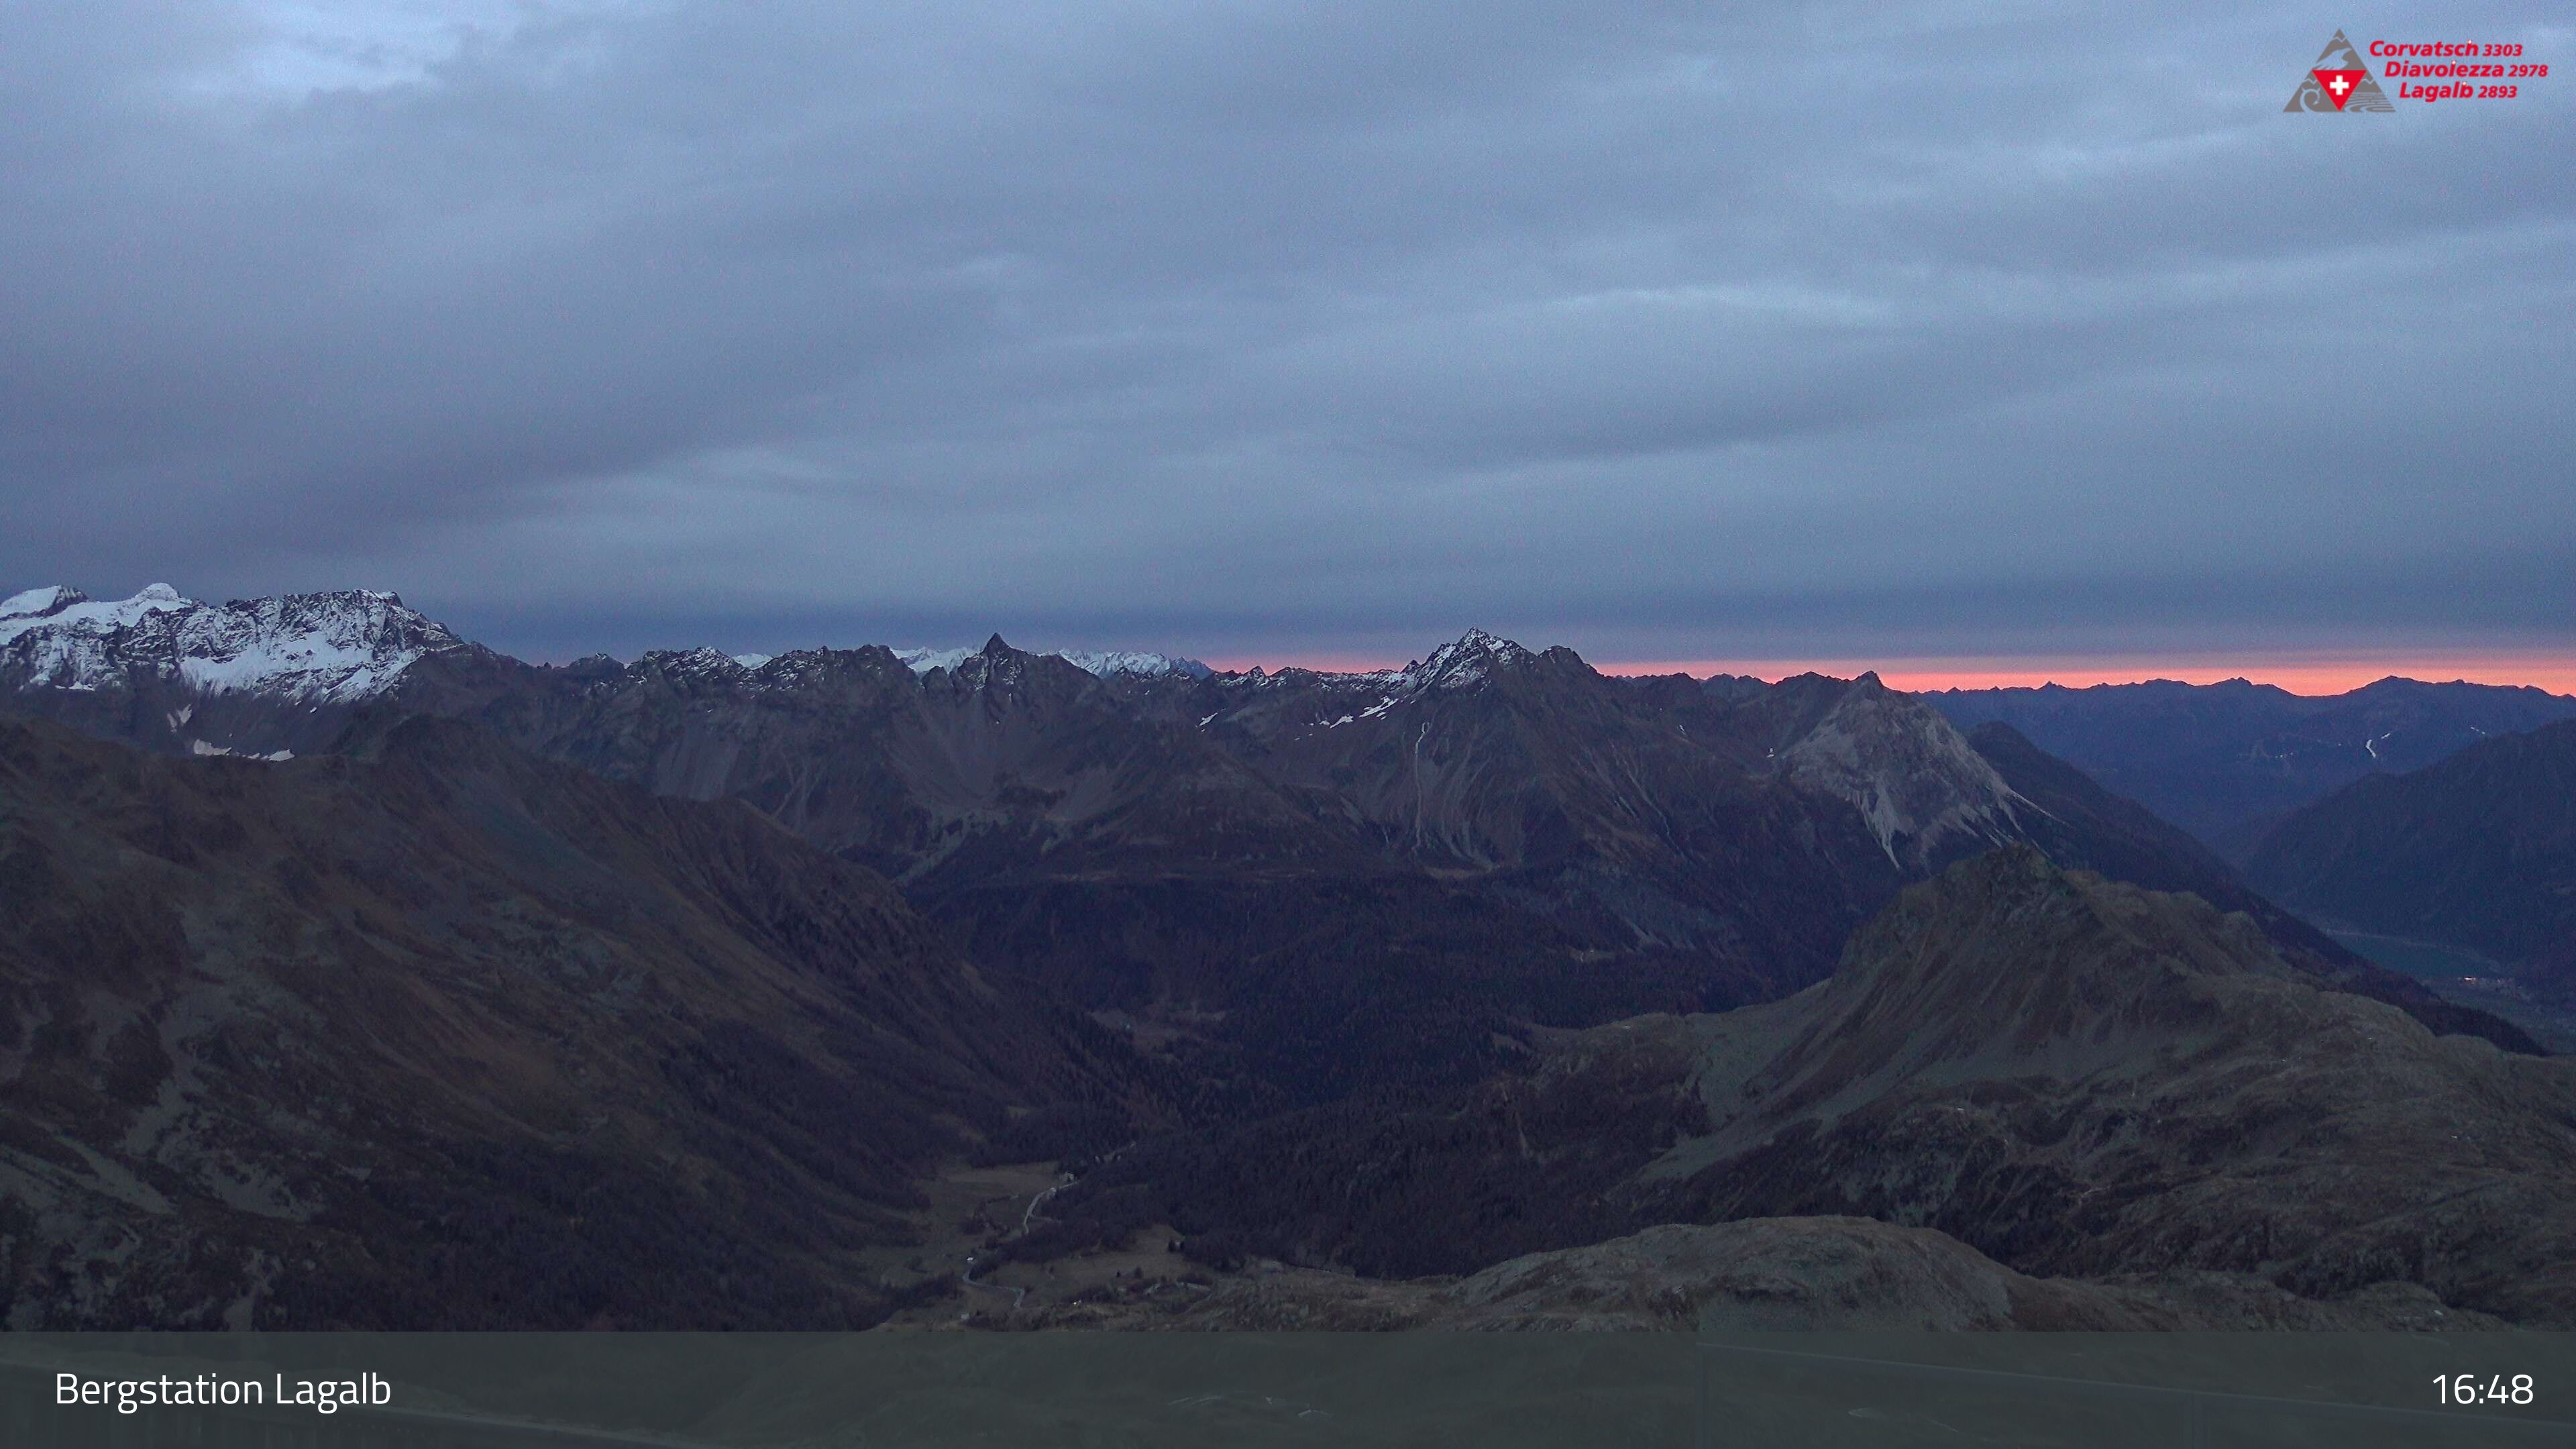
x=1324 y=328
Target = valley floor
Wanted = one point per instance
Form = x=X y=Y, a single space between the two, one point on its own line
x=2469 y=980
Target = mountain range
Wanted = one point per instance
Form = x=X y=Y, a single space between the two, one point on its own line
x=2228 y=761
x=1233 y=860
x=2476 y=852
x=343 y=952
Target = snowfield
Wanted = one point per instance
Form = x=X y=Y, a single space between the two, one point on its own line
x=337 y=647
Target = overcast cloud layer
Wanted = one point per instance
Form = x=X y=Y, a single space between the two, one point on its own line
x=1320 y=330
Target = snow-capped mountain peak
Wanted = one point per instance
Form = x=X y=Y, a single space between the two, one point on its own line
x=1103 y=663
x=334 y=647
x=924 y=660
x=58 y=606
x=1475 y=655
x=37 y=603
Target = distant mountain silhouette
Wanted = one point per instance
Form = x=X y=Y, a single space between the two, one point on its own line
x=2226 y=761
x=2478 y=851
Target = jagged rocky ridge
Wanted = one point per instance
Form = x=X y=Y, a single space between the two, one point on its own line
x=325 y=654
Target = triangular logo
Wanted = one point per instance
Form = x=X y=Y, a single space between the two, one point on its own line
x=2338 y=82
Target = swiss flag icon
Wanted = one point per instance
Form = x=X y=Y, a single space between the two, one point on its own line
x=2339 y=84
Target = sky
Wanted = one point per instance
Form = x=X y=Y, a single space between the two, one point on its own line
x=1956 y=340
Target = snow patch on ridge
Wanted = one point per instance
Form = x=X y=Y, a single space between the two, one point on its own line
x=203 y=750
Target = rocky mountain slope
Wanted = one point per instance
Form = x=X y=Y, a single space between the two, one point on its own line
x=429 y=1033
x=2082 y=1078
x=2226 y=760
x=2027 y=1097
x=2478 y=852
x=2083 y=826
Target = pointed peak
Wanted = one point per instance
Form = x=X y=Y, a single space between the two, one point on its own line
x=1471 y=658
x=35 y=603
x=1479 y=641
x=1477 y=644
x=995 y=648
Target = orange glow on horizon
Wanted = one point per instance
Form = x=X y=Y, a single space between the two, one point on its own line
x=1321 y=663
x=2312 y=675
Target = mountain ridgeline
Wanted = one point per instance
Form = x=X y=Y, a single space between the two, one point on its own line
x=1315 y=881
x=2228 y=761
x=2476 y=852
x=354 y=974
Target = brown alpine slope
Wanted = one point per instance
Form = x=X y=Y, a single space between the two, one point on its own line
x=441 y=1035
x=2088 y=1079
